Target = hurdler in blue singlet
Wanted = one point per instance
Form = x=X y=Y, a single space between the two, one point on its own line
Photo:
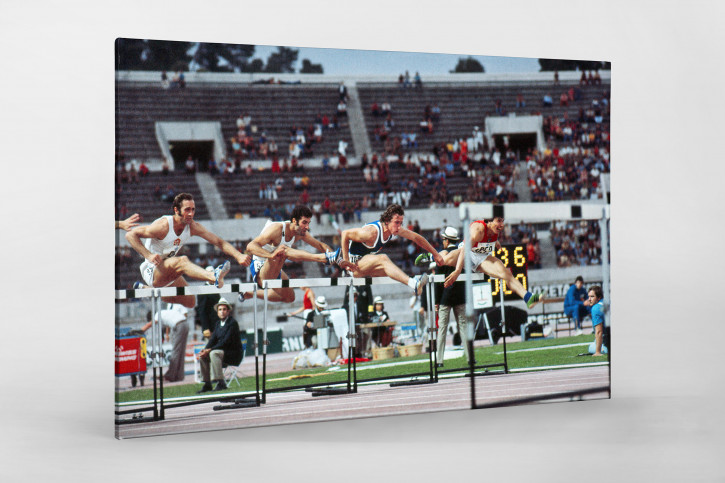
x=358 y=250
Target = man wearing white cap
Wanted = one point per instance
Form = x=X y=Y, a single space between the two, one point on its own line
x=483 y=245
x=224 y=347
x=381 y=335
x=309 y=332
x=453 y=297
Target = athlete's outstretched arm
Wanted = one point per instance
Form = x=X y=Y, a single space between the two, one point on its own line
x=315 y=243
x=227 y=248
x=268 y=236
x=421 y=242
x=128 y=223
x=476 y=235
x=158 y=229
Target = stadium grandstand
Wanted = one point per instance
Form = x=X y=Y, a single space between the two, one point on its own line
x=250 y=148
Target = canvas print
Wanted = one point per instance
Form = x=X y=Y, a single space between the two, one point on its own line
x=309 y=235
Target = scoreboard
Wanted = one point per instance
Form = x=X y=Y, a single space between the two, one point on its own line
x=514 y=258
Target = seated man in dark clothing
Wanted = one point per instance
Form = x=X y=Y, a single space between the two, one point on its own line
x=224 y=347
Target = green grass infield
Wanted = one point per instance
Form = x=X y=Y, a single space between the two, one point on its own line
x=530 y=355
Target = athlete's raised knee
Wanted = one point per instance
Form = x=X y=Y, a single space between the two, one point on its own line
x=181 y=261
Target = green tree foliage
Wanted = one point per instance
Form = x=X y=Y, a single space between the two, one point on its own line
x=144 y=54
x=281 y=62
x=157 y=55
x=548 y=65
x=310 y=68
x=468 y=64
x=137 y=54
x=222 y=57
x=256 y=65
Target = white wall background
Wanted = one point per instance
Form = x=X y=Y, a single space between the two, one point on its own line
x=665 y=422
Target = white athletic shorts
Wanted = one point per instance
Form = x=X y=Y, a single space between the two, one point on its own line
x=256 y=267
x=476 y=258
x=147 y=274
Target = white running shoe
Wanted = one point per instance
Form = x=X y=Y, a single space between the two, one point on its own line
x=333 y=257
x=420 y=283
x=220 y=272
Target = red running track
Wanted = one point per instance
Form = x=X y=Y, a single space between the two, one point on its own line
x=374 y=400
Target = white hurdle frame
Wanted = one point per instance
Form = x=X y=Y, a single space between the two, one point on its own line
x=235 y=288
x=599 y=211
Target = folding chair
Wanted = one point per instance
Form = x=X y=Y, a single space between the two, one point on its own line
x=231 y=372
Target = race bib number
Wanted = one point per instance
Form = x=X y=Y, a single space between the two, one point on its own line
x=484 y=248
x=170 y=252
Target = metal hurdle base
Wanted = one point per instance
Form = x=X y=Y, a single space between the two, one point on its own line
x=136 y=418
x=412 y=383
x=237 y=404
x=327 y=391
x=486 y=371
x=571 y=395
x=137 y=415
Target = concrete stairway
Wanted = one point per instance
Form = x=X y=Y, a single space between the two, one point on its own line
x=521 y=183
x=212 y=197
x=356 y=119
x=548 y=253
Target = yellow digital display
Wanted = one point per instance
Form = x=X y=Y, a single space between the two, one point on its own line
x=514 y=258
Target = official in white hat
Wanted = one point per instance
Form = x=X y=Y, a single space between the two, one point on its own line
x=452 y=298
x=382 y=336
x=309 y=332
x=224 y=347
x=321 y=302
x=450 y=234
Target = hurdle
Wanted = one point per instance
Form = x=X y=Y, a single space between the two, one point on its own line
x=158 y=406
x=352 y=381
x=557 y=211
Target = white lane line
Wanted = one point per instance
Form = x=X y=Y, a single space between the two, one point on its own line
x=564 y=346
x=491 y=389
x=362 y=403
x=339 y=412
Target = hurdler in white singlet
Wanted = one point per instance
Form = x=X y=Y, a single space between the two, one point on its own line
x=271 y=248
x=171 y=244
x=167 y=248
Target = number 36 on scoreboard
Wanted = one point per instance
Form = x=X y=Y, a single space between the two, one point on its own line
x=514 y=258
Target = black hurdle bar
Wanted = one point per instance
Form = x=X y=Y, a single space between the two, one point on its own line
x=321 y=389
x=559 y=395
x=351 y=365
x=432 y=375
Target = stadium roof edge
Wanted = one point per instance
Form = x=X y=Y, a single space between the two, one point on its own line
x=474 y=78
